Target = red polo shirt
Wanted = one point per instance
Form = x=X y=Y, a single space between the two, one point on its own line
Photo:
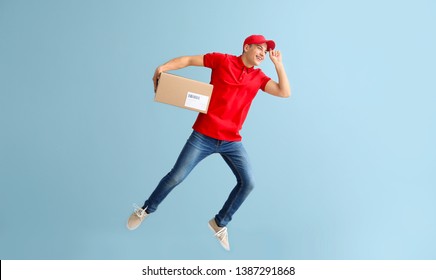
x=234 y=88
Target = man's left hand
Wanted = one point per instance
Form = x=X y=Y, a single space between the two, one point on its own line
x=275 y=56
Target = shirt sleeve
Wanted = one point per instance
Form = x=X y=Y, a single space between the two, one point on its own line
x=213 y=60
x=264 y=81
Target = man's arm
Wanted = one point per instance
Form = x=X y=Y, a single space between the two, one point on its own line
x=177 y=63
x=282 y=88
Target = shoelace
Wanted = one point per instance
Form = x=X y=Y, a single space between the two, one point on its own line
x=222 y=233
x=139 y=211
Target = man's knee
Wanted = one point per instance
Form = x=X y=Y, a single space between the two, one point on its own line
x=249 y=184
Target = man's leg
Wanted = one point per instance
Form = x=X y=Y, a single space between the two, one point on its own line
x=237 y=159
x=192 y=153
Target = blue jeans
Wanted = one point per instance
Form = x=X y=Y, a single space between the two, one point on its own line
x=196 y=149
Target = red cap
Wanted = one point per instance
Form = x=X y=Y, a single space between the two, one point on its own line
x=259 y=39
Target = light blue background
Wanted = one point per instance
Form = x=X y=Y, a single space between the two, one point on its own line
x=345 y=167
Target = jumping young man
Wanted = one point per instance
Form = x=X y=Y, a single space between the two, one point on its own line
x=235 y=82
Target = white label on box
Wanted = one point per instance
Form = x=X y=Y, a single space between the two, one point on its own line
x=196 y=101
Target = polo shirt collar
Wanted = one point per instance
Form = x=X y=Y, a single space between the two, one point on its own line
x=241 y=63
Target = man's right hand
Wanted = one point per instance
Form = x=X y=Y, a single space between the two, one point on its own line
x=156 y=77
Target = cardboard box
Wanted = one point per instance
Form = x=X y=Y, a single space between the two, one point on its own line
x=183 y=92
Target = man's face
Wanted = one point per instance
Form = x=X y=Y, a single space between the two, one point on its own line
x=255 y=53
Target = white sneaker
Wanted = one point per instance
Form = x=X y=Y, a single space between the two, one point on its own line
x=136 y=218
x=220 y=233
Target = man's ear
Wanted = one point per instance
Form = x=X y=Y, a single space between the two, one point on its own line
x=246 y=47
